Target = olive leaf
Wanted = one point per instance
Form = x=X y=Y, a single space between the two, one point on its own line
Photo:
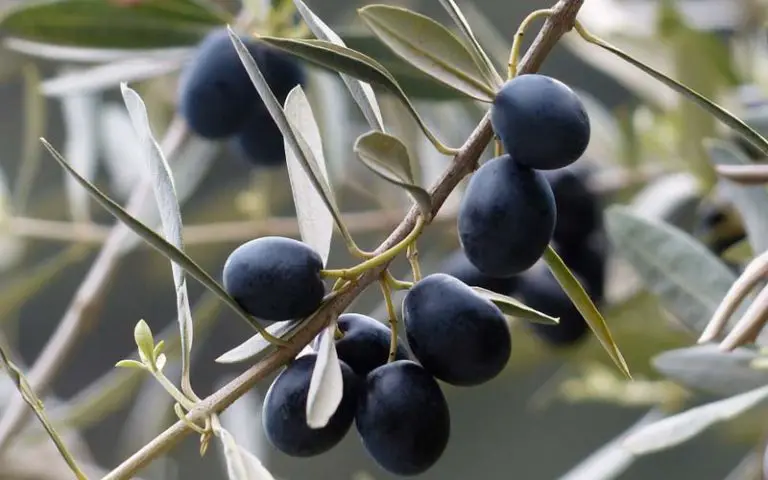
x=586 y=307
x=257 y=344
x=749 y=134
x=345 y=60
x=170 y=216
x=360 y=91
x=515 y=308
x=610 y=460
x=292 y=136
x=153 y=239
x=430 y=47
x=326 y=387
x=387 y=157
x=709 y=369
x=689 y=280
x=679 y=428
x=81 y=145
x=415 y=83
x=241 y=464
x=315 y=220
x=481 y=58
x=750 y=200
x=145 y=24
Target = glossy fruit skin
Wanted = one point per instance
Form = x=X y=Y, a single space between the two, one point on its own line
x=506 y=218
x=216 y=96
x=275 y=278
x=540 y=290
x=284 y=416
x=540 y=121
x=260 y=140
x=458 y=336
x=457 y=265
x=365 y=344
x=403 y=418
x=579 y=210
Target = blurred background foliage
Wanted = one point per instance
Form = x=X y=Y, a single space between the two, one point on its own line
x=60 y=64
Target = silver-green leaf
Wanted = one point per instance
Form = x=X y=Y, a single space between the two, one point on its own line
x=257 y=344
x=315 y=220
x=387 y=157
x=481 y=58
x=326 y=386
x=750 y=200
x=153 y=239
x=689 y=280
x=170 y=216
x=515 y=308
x=360 y=91
x=708 y=369
x=430 y=47
x=292 y=136
x=345 y=60
x=241 y=464
x=749 y=134
x=679 y=428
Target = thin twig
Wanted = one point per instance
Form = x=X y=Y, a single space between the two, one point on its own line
x=607 y=181
x=561 y=21
x=81 y=313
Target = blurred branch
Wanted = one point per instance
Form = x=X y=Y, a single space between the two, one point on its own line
x=465 y=161
x=606 y=182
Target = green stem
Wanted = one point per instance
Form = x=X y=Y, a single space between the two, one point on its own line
x=385 y=290
x=498 y=149
x=384 y=257
x=398 y=284
x=173 y=391
x=514 y=55
x=413 y=258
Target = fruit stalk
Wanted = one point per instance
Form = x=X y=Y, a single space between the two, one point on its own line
x=560 y=22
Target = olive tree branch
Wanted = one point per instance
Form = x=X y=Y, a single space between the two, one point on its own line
x=560 y=22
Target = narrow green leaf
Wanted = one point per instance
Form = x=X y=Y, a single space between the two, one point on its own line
x=430 y=47
x=586 y=307
x=293 y=137
x=315 y=219
x=387 y=157
x=720 y=113
x=689 y=280
x=170 y=217
x=129 y=363
x=679 y=428
x=340 y=59
x=481 y=58
x=750 y=200
x=360 y=91
x=708 y=369
x=142 y=335
x=515 y=308
x=155 y=240
x=257 y=344
x=415 y=83
x=107 y=24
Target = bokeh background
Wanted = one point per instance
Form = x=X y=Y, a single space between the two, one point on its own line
x=519 y=425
